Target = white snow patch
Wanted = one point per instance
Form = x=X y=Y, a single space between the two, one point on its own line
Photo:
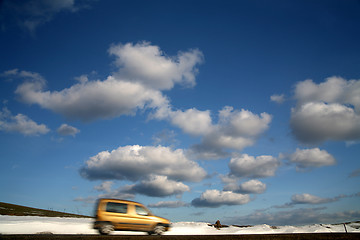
x=56 y=225
x=35 y=224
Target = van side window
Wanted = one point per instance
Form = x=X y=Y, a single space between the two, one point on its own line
x=116 y=207
x=141 y=211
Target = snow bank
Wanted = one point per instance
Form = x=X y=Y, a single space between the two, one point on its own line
x=196 y=228
x=34 y=224
x=56 y=225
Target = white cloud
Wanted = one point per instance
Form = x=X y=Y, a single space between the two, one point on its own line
x=21 y=124
x=249 y=166
x=92 y=100
x=252 y=186
x=104 y=186
x=153 y=186
x=66 y=130
x=234 y=130
x=192 y=121
x=306 y=198
x=243 y=123
x=159 y=186
x=26 y=75
x=231 y=182
x=308 y=158
x=278 y=98
x=148 y=65
x=216 y=198
x=143 y=72
x=138 y=162
x=327 y=111
x=82 y=79
x=333 y=90
x=168 y=204
x=317 y=122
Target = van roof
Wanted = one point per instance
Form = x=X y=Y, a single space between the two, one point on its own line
x=115 y=199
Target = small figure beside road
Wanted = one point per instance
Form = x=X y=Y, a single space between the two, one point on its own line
x=217 y=225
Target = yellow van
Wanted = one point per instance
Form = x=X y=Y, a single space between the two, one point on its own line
x=122 y=215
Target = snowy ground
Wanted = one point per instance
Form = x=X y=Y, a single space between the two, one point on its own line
x=33 y=225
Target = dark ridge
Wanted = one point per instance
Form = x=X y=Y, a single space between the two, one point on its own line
x=17 y=210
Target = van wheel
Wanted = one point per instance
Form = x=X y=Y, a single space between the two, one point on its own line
x=106 y=229
x=158 y=230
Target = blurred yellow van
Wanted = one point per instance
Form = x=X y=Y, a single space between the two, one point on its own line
x=122 y=215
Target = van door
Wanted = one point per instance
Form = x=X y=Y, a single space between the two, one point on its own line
x=144 y=217
x=117 y=213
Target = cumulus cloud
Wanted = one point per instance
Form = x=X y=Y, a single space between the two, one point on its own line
x=317 y=121
x=107 y=192
x=326 y=111
x=158 y=186
x=333 y=90
x=216 y=198
x=192 y=121
x=244 y=122
x=25 y=75
x=168 y=204
x=66 y=130
x=156 y=171
x=278 y=98
x=143 y=72
x=139 y=162
x=253 y=167
x=92 y=100
x=306 y=198
x=230 y=181
x=148 y=65
x=20 y=123
x=251 y=186
x=104 y=186
x=234 y=130
x=153 y=186
x=31 y=14
x=309 y=158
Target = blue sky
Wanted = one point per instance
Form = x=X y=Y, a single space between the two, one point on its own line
x=243 y=111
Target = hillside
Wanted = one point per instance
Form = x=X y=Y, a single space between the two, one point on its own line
x=17 y=210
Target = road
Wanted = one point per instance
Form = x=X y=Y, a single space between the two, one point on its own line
x=301 y=236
